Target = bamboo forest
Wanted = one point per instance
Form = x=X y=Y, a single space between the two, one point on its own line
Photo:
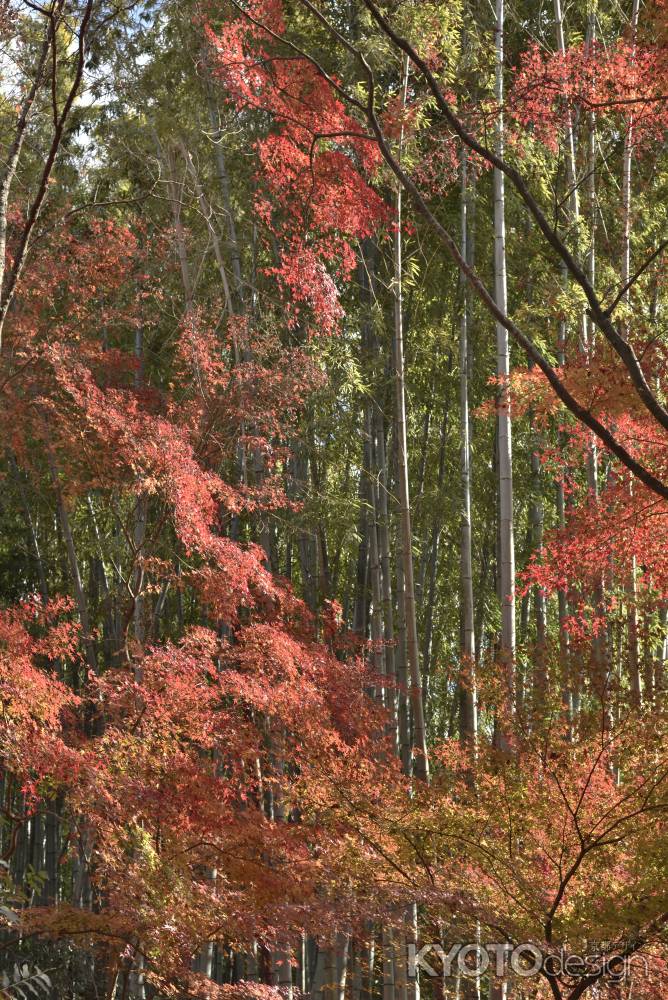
x=334 y=500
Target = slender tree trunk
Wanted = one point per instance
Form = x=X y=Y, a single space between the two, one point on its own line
x=592 y=456
x=467 y=695
x=585 y=328
x=661 y=655
x=377 y=634
x=141 y=515
x=498 y=990
x=627 y=160
x=365 y=517
x=432 y=562
x=395 y=949
x=504 y=427
x=536 y=517
x=647 y=658
x=318 y=973
x=382 y=520
x=401 y=660
x=342 y=948
x=412 y=646
x=631 y=589
x=419 y=492
x=360 y=605
x=137 y=981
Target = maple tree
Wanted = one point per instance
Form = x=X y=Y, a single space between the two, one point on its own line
x=266 y=727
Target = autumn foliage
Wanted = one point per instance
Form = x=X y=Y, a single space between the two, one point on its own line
x=202 y=729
